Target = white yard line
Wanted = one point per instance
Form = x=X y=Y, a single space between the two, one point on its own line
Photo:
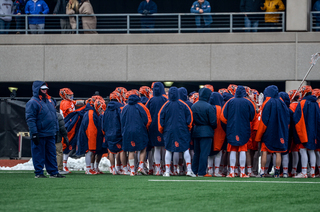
x=233 y=181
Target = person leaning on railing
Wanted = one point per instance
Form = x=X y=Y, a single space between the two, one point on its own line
x=146 y=8
x=35 y=7
x=5 y=9
x=19 y=6
x=272 y=20
x=251 y=6
x=202 y=6
x=88 y=22
x=72 y=8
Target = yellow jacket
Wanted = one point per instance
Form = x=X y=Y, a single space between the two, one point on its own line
x=270 y=6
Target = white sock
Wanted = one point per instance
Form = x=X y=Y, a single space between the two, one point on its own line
x=168 y=160
x=304 y=160
x=187 y=158
x=217 y=161
x=65 y=159
x=295 y=161
x=157 y=154
x=242 y=161
x=88 y=160
x=232 y=161
x=210 y=164
x=285 y=163
x=131 y=163
x=312 y=157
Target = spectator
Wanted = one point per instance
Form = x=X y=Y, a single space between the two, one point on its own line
x=19 y=6
x=6 y=8
x=146 y=8
x=272 y=20
x=88 y=22
x=61 y=133
x=42 y=121
x=250 y=20
x=36 y=23
x=72 y=8
x=60 y=8
x=202 y=6
x=316 y=7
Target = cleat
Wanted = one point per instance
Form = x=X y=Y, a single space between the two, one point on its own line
x=66 y=169
x=231 y=175
x=126 y=173
x=208 y=175
x=175 y=173
x=40 y=176
x=243 y=175
x=132 y=174
x=150 y=172
x=311 y=175
x=158 y=173
x=260 y=176
x=98 y=171
x=300 y=175
x=166 y=174
x=267 y=175
x=142 y=171
x=182 y=173
x=190 y=174
x=91 y=171
x=290 y=175
x=57 y=176
x=252 y=175
x=218 y=175
x=63 y=172
x=276 y=173
x=285 y=175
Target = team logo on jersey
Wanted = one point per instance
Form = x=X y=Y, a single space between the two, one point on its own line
x=119 y=145
x=133 y=143
x=159 y=138
x=237 y=138
x=70 y=147
x=176 y=144
x=282 y=140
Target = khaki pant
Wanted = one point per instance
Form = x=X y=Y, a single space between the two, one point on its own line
x=59 y=156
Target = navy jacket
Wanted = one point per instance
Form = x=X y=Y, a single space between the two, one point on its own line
x=237 y=113
x=183 y=95
x=206 y=9
x=112 y=127
x=204 y=116
x=41 y=114
x=275 y=119
x=154 y=105
x=151 y=7
x=175 y=122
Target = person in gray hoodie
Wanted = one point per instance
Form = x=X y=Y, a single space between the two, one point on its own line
x=6 y=8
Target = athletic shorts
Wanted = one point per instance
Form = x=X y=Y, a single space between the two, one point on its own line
x=243 y=148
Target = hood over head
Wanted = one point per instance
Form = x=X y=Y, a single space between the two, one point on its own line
x=204 y=94
x=285 y=97
x=183 y=93
x=216 y=99
x=36 y=87
x=133 y=99
x=226 y=96
x=112 y=105
x=240 y=92
x=173 y=94
x=271 y=91
x=158 y=89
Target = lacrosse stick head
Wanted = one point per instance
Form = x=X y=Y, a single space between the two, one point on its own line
x=304 y=90
x=315 y=57
x=261 y=99
x=292 y=94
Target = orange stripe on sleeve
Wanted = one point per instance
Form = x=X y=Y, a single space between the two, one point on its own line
x=91 y=132
x=190 y=124
x=148 y=114
x=301 y=126
x=160 y=128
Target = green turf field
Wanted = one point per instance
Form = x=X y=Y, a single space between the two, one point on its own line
x=20 y=191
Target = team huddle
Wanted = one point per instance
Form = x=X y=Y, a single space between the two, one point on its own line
x=204 y=134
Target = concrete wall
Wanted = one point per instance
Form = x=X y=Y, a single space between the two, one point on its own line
x=178 y=57
x=297 y=15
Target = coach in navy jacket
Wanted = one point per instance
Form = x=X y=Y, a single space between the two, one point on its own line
x=205 y=121
x=43 y=125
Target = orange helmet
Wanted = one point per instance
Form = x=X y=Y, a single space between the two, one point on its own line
x=96 y=97
x=89 y=101
x=291 y=93
x=316 y=92
x=122 y=92
x=135 y=92
x=304 y=90
x=115 y=95
x=248 y=90
x=209 y=86
x=232 y=89
x=145 y=90
x=129 y=93
x=100 y=106
x=223 y=90
x=194 y=98
x=255 y=94
x=64 y=92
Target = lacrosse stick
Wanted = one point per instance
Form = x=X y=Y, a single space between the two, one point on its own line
x=314 y=59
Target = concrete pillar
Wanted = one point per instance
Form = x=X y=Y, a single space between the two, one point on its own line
x=293 y=85
x=298 y=15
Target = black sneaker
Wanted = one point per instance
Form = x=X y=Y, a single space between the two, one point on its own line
x=40 y=176
x=57 y=176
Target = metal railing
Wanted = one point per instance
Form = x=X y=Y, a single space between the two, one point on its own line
x=314 y=21
x=163 y=23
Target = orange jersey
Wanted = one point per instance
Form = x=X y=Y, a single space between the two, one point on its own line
x=67 y=106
